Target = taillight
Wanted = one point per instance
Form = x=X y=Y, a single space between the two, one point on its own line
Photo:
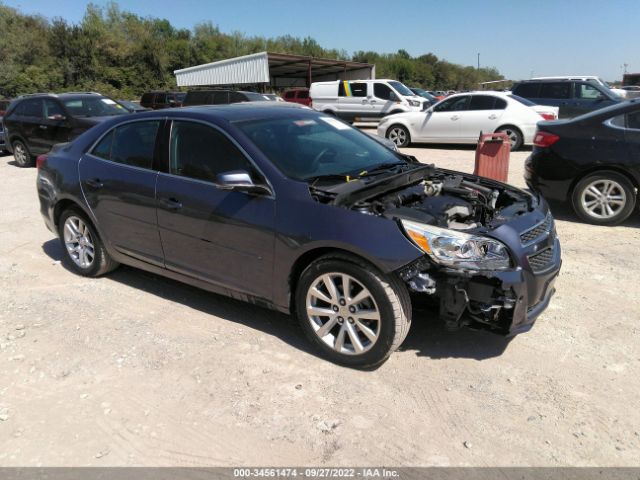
x=41 y=160
x=548 y=116
x=545 y=139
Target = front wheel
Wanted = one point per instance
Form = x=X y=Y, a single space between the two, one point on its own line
x=399 y=135
x=604 y=198
x=354 y=314
x=515 y=136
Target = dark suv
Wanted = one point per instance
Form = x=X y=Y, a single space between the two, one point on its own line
x=160 y=100
x=574 y=97
x=221 y=97
x=294 y=210
x=35 y=123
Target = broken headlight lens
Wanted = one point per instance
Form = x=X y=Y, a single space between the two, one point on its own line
x=458 y=249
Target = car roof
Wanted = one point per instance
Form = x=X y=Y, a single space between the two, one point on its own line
x=235 y=112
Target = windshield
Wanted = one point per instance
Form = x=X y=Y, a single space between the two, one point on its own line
x=424 y=94
x=524 y=101
x=401 y=89
x=93 y=107
x=307 y=147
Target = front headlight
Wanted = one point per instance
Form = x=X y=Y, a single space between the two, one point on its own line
x=414 y=103
x=458 y=249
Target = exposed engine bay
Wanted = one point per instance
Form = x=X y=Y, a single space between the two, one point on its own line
x=441 y=198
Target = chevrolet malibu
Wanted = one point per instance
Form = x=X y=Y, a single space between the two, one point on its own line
x=295 y=210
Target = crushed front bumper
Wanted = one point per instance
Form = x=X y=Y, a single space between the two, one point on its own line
x=503 y=301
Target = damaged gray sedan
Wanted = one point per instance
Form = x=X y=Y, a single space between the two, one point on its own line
x=294 y=210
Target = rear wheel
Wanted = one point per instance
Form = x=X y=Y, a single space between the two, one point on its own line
x=515 y=136
x=399 y=135
x=82 y=245
x=604 y=198
x=21 y=154
x=353 y=313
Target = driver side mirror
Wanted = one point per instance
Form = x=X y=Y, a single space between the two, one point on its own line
x=239 y=180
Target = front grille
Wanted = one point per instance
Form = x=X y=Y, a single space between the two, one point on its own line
x=541 y=260
x=537 y=231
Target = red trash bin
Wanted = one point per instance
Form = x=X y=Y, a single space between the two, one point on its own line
x=492 y=156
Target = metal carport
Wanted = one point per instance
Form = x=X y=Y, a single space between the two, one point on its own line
x=276 y=70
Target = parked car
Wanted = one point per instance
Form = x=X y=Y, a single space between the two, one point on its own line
x=273 y=97
x=364 y=99
x=461 y=118
x=294 y=210
x=439 y=94
x=588 y=78
x=4 y=105
x=157 y=100
x=297 y=95
x=221 y=97
x=36 y=122
x=3 y=146
x=573 y=97
x=424 y=94
x=632 y=91
x=545 y=111
x=132 y=107
x=592 y=162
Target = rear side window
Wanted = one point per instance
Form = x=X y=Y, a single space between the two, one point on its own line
x=482 y=102
x=147 y=98
x=200 y=152
x=555 y=90
x=51 y=108
x=359 y=89
x=303 y=94
x=30 y=108
x=160 y=98
x=455 y=104
x=130 y=144
x=528 y=90
x=289 y=94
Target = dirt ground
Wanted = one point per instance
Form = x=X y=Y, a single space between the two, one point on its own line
x=134 y=369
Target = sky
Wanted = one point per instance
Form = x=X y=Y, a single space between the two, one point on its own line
x=521 y=38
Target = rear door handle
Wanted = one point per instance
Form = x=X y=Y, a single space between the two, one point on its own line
x=493 y=116
x=170 y=203
x=43 y=127
x=94 y=183
x=455 y=117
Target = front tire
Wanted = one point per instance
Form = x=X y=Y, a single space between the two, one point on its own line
x=604 y=198
x=515 y=136
x=21 y=154
x=354 y=314
x=82 y=246
x=399 y=135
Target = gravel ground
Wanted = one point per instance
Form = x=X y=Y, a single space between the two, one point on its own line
x=134 y=369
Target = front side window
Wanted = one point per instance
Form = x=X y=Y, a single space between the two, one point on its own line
x=201 y=152
x=587 y=92
x=130 y=144
x=382 y=91
x=455 y=104
x=555 y=90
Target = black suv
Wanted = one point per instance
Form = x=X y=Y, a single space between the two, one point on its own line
x=160 y=100
x=574 y=97
x=221 y=97
x=35 y=123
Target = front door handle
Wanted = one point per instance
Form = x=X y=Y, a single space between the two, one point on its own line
x=171 y=204
x=455 y=117
x=492 y=117
x=94 y=183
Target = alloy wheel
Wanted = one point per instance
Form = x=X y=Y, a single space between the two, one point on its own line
x=603 y=198
x=20 y=153
x=343 y=313
x=79 y=242
x=514 y=137
x=398 y=136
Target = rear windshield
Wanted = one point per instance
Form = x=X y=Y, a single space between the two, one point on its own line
x=93 y=107
x=523 y=101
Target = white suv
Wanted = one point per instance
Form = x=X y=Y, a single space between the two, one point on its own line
x=354 y=100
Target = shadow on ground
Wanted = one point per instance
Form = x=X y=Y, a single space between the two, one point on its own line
x=427 y=337
x=564 y=212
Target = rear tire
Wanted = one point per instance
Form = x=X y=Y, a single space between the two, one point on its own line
x=83 y=247
x=604 y=198
x=399 y=135
x=360 y=328
x=515 y=136
x=21 y=154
